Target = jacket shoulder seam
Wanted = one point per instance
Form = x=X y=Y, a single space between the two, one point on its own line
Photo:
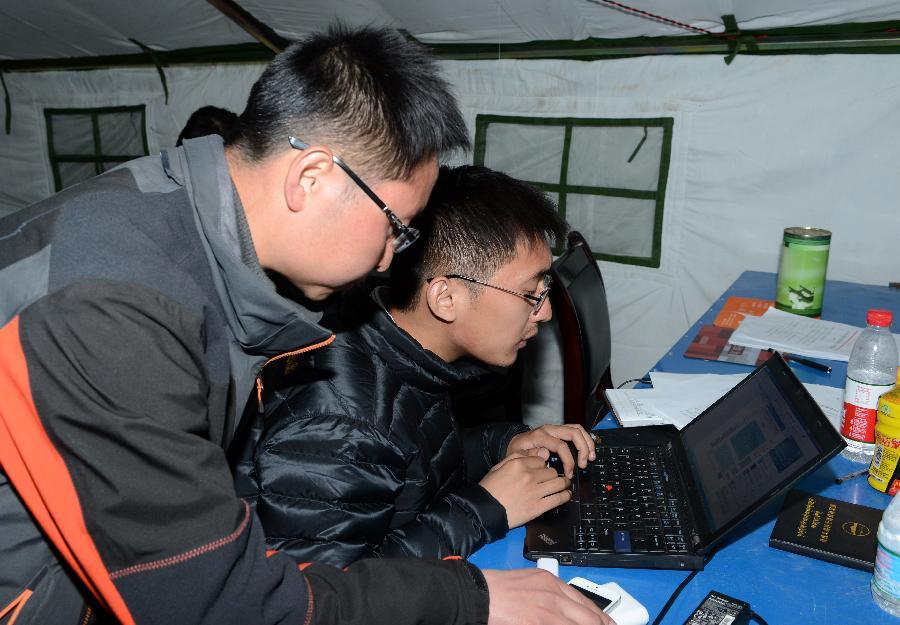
x=187 y=555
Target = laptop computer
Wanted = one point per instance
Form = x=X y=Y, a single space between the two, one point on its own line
x=661 y=498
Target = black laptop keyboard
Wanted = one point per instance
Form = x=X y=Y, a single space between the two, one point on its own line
x=630 y=502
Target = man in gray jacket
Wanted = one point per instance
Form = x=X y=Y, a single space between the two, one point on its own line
x=135 y=315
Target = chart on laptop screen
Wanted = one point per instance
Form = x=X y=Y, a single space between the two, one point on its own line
x=756 y=441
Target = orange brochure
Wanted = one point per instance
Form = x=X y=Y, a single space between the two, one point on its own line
x=736 y=308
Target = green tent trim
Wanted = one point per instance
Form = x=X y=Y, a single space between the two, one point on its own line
x=563 y=188
x=857 y=38
x=98 y=158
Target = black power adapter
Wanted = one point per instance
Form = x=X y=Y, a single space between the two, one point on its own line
x=719 y=609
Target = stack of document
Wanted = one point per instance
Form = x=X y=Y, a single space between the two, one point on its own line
x=677 y=398
x=794 y=334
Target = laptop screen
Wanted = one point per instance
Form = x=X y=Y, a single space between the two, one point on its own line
x=754 y=442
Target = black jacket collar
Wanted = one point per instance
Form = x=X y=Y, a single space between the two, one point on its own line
x=366 y=314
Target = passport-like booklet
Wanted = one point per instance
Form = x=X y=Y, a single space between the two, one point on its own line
x=712 y=343
x=827 y=529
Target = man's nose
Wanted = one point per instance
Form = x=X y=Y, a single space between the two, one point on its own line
x=545 y=313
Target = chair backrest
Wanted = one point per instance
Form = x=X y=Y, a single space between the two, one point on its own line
x=579 y=304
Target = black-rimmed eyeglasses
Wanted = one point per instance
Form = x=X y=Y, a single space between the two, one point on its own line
x=404 y=235
x=536 y=301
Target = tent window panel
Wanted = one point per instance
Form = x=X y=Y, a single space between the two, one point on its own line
x=614 y=226
x=88 y=141
x=121 y=133
x=525 y=152
x=73 y=173
x=619 y=157
x=73 y=134
x=607 y=175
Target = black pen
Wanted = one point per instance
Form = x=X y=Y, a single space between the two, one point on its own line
x=850 y=476
x=812 y=364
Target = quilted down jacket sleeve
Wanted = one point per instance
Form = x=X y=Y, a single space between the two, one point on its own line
x=486 y=445
x=329 y=486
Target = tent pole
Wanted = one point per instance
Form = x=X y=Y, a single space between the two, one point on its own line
x=256 y=29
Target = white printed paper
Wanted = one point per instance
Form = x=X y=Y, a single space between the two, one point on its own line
x=793 y=334
x=677 y=398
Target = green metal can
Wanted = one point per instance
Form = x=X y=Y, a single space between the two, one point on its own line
x=801 y=274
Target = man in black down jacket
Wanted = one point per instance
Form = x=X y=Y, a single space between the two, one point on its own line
x=362 y=457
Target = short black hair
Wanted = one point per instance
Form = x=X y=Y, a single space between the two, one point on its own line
x=472 y=225
x=209 y=120
x=369 y=93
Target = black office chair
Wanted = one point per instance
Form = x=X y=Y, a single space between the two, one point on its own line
x=579 y=305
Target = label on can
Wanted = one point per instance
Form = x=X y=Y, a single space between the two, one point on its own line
x=860 y=410
x=884 y=463
x=801 y=273
x=884 y=472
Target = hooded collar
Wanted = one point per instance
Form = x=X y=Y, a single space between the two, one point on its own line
x=263 y=322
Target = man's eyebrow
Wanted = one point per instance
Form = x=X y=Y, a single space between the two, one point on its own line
x=540 y=273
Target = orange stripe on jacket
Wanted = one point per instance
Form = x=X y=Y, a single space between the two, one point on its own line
x=14 y=608
x=36 y=469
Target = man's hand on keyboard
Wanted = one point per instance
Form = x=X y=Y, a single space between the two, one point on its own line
x=556 y=439
x=526 y=486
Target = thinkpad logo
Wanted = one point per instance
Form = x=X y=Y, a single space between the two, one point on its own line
x=547 y=539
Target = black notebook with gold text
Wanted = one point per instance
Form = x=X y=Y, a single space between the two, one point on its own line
x=827 y=529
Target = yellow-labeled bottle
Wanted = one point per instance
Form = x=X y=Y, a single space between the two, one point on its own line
x=884 y=472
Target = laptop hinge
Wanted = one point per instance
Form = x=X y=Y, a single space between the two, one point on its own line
x=700 y=533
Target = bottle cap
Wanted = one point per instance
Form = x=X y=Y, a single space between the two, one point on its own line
x=880 y=318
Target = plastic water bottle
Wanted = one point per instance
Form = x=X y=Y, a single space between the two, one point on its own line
x=871 y=372
x=886 y=580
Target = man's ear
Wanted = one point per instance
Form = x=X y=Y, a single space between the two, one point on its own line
x=443 y=298
x=306 y=176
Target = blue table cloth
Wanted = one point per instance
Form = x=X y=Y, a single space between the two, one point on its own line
x=783 y=588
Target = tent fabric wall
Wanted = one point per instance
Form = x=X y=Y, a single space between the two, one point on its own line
x=25 y=173
x=59 y=28
x=764 y=143
x=55 y=29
